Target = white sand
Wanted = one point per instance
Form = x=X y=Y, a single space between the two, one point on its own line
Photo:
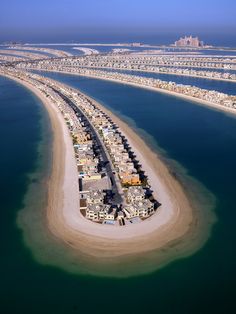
x=173 y=220
x=195 y=100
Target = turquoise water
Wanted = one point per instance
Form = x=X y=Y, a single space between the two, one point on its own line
x=201 y=140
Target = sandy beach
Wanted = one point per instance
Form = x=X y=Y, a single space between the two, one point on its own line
x=167 y=73
x=177 y=229
x=192 y=99
x=159 y=90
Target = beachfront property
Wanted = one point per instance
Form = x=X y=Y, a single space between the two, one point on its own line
x=189 y=65
x=112 y=189
x=211 y=96
x=99 y=213
x=142 y=209
x=135 y=194
x=101 y=208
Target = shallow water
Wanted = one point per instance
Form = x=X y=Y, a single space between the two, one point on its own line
x=201 y=140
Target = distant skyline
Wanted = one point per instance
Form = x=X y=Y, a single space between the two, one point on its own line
x=120 y=20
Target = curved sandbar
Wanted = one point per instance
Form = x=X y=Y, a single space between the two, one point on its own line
x=55 y=52
x=195 y=100
x=23 y=54
x=159 y=90
x=176 y=230
x=163 y=72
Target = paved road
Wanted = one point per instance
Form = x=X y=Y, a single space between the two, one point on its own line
x=117 y=190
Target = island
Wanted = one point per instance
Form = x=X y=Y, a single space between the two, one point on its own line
x=112 y=201
x=201 y=96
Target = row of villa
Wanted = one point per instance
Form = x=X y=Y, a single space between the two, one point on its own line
x=136 y=203
x=137 y=207
x=170 y=68
x=97 y=204
x=131 y=61
x=210 y=96
x=154 y=63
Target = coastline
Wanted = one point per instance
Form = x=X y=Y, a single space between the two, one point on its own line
x=159 y=90
x=180 y=222
x=165 y=73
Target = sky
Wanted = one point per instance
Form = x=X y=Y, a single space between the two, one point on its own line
x=84 y=20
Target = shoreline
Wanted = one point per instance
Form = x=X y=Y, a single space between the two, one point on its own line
x=143 y=45
x=158 y=90
x=106 y=244
x=165 y=73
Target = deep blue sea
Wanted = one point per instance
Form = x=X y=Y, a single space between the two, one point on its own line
x=107 y=49
x=201 y=140
x=155 y=37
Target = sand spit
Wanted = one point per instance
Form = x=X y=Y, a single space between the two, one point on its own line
x=195 y=100
x=66 y=239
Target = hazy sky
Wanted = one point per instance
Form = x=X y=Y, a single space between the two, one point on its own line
x=78 y=19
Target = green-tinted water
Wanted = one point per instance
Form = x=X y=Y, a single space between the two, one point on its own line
x=202 y=140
